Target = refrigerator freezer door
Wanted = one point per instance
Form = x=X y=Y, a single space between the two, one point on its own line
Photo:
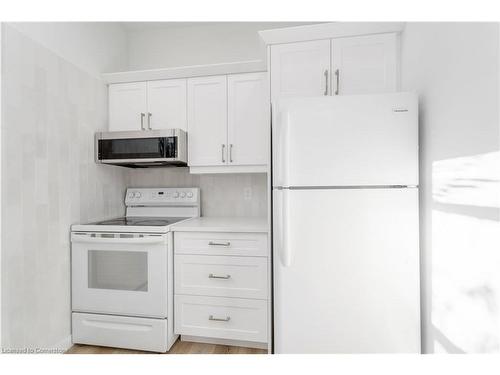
x=346 y=140
x=347 y=280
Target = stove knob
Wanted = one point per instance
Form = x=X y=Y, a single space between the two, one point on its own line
x=131 y=195
x=183 y=195
x=190 y=195
x=138 y=195
x=176 y=194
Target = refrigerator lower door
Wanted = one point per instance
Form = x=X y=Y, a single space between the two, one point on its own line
x=346 y=271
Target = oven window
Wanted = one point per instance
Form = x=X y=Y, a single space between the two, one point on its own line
x=118 y=270
x=132 y=148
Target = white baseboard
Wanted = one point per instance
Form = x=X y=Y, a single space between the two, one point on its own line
x=210 y=340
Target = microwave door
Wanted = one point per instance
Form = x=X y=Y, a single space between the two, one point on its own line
x=131 y=149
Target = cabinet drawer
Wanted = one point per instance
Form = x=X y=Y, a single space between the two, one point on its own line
x=224 y=318
x=120 y=331
x=222 y=276
x=211 y=243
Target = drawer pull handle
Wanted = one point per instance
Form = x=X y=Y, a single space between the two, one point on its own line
x=226 y=319
x=212 y=276
x=212 y=243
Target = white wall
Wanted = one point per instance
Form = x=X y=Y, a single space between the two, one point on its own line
x=94 y=47
x=50 y=111
x=454 y=68
x=194 y=44
x=221 y=194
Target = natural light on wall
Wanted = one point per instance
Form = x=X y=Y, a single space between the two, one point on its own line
x=466 y=254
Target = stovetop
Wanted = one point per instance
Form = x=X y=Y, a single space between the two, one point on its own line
x=141 y=221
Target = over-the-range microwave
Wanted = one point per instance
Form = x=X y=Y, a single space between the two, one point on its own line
x=141 y=149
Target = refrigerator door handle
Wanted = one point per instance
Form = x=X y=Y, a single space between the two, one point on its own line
x=281 y=227
x=282 y=147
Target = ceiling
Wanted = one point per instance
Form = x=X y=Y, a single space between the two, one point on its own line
x=140 y=26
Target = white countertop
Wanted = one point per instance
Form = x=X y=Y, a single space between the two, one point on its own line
x=223 y=224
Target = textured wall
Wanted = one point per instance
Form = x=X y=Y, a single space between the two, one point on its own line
x=454 y=69
x=221 y=194
x=50 y=111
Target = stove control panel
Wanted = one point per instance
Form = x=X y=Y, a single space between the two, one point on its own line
x=162 y=197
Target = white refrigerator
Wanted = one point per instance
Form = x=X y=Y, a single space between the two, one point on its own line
x=345 y=224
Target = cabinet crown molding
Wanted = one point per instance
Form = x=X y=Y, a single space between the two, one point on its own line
x=185 y=71
x=329 y=30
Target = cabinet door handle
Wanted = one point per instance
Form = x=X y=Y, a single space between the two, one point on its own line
x=231 y=153
x=149 y=120
x=226 y=319
x=223 y=149
x=326 y=82
x=337 y=78
x=212 y=276
x=213 y=243
x=142 y=121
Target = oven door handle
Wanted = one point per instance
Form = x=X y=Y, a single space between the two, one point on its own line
x=75 y=237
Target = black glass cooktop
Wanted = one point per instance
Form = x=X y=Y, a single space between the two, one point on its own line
x=141 y=221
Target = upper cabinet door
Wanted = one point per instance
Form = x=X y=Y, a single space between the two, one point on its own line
x=207 y=121
x=127 y=106
x=248 y=119
x=300 y=69
x=365 y=64
x=167 y=104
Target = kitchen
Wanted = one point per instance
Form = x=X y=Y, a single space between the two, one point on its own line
x=221 y=158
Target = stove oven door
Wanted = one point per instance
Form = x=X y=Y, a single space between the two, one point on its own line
x=122 y=274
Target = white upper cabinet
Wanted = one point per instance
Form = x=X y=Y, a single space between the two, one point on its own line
x=356 y=65
x=300 y=69
x=364 y=64
x=167 y=104
x=148 y=105
x=207 y=121
x=127 y=106
x=248 y=119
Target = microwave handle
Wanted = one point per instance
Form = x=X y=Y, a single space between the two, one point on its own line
x=87 y=238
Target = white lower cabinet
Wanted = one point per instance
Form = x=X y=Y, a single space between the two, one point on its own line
x=120 y=331
x=223 y=318
x=225 y=276
x=222 y=286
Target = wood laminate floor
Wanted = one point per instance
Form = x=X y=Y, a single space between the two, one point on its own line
x=180 y=347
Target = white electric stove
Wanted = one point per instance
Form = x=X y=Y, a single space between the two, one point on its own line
x=122 y=271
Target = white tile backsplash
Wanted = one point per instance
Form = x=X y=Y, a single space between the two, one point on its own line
x=51 y=110
x=221 y=194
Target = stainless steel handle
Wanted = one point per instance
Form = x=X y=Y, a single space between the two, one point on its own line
x=223 y=149
x=337 y=78
x=149 y=120
x=231 y=153
x=326 y=82
x=142 y=121
x=226 y=319
x=212 y=243
x=212 y=276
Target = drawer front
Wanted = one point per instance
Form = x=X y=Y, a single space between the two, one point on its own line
x=120 y=332
x=224 y=318
x=208 y=243
x=221 y=276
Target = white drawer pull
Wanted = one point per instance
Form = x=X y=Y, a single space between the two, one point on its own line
x=226 y=319
x=212 y=243
x=212 y=276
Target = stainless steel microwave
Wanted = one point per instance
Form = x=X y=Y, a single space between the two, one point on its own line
x=142 y=149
